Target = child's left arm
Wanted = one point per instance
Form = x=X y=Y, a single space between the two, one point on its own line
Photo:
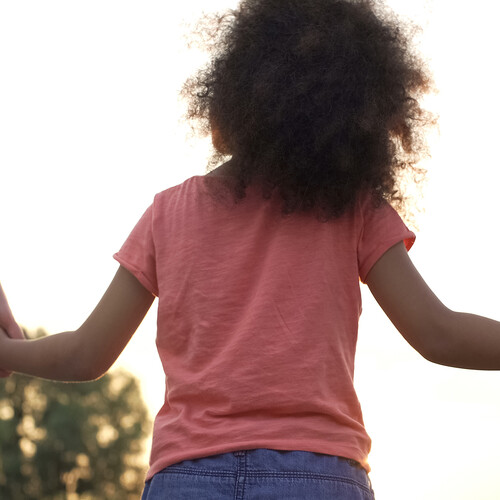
x=87 y=353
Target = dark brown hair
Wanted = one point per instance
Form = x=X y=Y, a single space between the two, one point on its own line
x=318 y=99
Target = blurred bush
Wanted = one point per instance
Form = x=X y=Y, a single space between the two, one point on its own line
x=72 y=441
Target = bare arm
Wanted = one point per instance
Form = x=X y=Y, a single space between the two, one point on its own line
x=440 y=335
x=89 y=352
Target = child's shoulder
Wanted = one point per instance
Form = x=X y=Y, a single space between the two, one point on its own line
x=193 y=182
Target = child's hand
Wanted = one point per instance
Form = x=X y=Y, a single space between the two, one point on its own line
x=8 y=325
x=13 y=332
x=7 y=321
x=3 y=335
x=6 y=316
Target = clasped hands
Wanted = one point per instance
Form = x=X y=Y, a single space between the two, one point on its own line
x=8 y=325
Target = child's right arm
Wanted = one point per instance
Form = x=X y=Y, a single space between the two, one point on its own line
x=440 y=335
x=87 y=353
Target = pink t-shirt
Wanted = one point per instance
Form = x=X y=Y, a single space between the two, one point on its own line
x=257 y=321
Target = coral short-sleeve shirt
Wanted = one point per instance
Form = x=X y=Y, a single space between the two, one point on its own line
x=257 y=321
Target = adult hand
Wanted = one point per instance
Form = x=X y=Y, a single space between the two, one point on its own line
x=8 y=325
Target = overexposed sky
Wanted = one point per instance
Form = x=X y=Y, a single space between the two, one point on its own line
x=90 y=130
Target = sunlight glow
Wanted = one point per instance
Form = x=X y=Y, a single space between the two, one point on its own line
x=91 y=128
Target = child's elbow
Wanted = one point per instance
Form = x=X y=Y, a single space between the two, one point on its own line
x=427 y=333
x=94 y=368
x=90 y=373
x=436 y=347
x=87 y=366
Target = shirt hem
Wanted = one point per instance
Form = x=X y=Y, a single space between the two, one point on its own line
x=408 y=239
x=137 y=273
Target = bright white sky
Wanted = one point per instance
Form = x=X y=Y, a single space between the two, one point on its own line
x=90 y=130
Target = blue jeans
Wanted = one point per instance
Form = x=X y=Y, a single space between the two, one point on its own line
x=261 y=474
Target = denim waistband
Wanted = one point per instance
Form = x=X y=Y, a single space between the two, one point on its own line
x=263 y=462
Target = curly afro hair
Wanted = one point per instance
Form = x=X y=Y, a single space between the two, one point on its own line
x=318 y=99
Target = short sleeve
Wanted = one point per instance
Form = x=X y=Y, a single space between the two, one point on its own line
x=137 y=254
x=382 y=228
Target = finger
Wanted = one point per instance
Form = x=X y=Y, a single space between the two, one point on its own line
x=6 y=315
x=14 y=331
x=4 y=373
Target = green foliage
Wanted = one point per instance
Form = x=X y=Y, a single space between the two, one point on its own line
x=62 y=441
